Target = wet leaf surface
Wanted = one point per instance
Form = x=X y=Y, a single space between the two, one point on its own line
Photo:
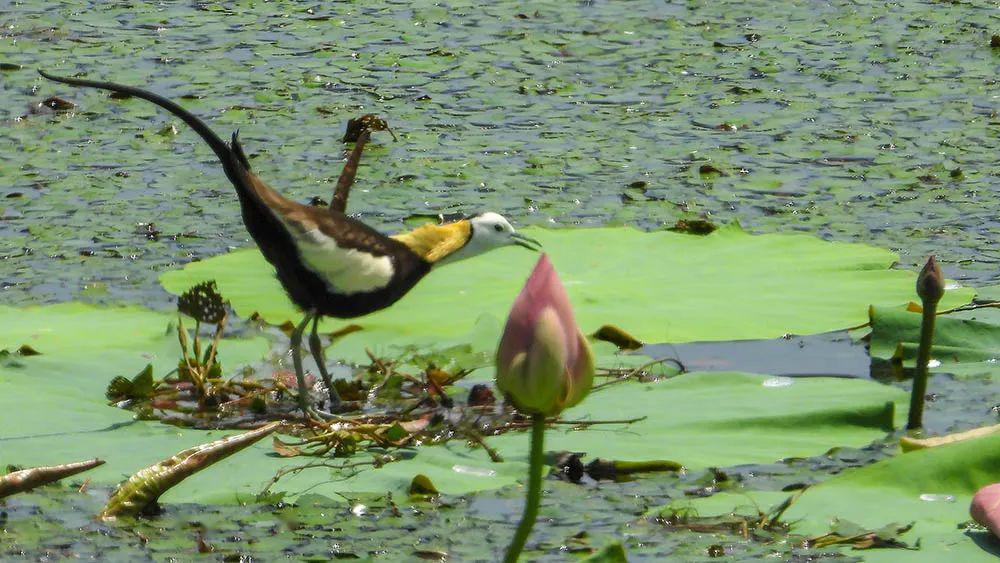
x=679 y=288
x=967 y=347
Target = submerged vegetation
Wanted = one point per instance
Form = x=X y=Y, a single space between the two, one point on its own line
x=758 y=391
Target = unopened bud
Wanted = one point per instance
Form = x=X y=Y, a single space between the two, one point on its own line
x=930 y=282
x=544 y=363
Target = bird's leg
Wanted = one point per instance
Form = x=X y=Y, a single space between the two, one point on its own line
x=316 y=347
x=346 y=180
x=300 y=376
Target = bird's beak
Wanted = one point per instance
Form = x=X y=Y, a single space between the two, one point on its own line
x=527 y=242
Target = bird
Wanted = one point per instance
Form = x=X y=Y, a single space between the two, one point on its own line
x=329 y=263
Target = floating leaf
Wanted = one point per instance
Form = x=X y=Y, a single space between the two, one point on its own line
x=612 y=553
x=395 y=434
x=26 y=350
x=142 y=383
x=693 y=226
x=618 y=337
x=964 y=347
x=56 y=104
x=614 y=470
x=932 y=486
x=421 y=485
x=344 y=331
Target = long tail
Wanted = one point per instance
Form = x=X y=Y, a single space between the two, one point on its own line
x=232 y=157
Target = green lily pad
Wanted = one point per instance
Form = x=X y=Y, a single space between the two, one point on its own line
x=932 y=487
x=962 y=346
x=659 y=286
x=989 y=293
x=611 y=553
x=55 y=406
x=726 y=418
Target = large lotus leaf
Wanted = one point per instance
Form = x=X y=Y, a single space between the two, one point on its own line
x=932 y=487
x=989 y=293
x=54 y=410
x=53 y=405
x=965 y=347
x=727 y=418
x=661 y=286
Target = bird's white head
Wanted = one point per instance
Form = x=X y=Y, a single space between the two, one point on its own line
x=440 y=244
x=488 y=231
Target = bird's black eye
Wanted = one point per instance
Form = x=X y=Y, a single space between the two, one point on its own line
x=498 y=228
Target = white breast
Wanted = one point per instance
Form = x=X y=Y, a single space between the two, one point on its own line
x=345 y=270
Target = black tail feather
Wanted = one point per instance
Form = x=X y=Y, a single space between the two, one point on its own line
x=237 y=149
x=233 y=158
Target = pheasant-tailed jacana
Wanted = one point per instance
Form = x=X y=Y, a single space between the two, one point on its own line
x=328 y=263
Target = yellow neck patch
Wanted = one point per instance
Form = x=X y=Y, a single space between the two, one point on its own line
x=434 y=242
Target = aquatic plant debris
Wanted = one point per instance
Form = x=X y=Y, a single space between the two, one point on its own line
x=910 y=443
x=936 y=494
x=140 y=492
x=21 y=480
x=690 y=411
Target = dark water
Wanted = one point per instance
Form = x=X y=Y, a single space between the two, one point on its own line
x=854 y=121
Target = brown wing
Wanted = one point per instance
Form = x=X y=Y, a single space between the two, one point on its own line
x=344 y=268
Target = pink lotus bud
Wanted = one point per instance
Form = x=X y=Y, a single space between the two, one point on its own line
x=544 y=363
x=985 y=508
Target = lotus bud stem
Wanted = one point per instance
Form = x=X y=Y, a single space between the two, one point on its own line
x=930 y=288
x=534 y=497
x=544 y=365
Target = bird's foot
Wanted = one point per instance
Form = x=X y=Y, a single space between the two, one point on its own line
x=311 y=413
x=336 y=403
x=326 y=416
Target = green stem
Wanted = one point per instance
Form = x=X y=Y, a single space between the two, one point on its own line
x=534 y=489
x=915 y=420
